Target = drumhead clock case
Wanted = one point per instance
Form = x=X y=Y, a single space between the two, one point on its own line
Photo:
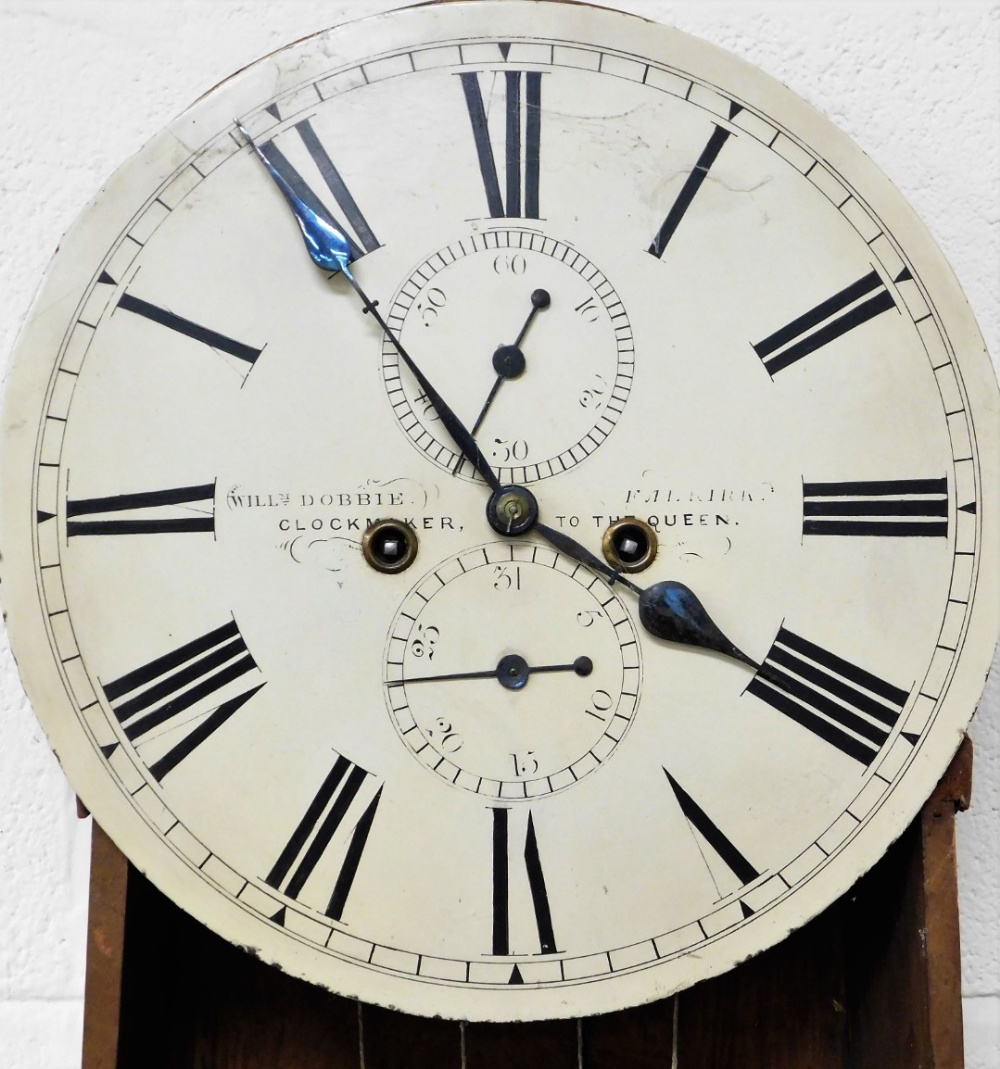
x=500 y=510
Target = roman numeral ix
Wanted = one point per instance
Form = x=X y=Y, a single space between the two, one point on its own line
x=335 y=799
x=832 y=318
x=155 y=506
x=359 y=234
x=179 y=682
x=522 y=142
x=892 y=508
x=501 y=887
x=837 y=701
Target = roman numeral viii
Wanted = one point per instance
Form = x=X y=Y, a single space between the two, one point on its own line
x=181 y=509
x=359 y=234
x=893 y=508
x=839 y=702
x=183 y=681
x=832 y=318
x=338 y=796
x=518 y=197
x=502 y=885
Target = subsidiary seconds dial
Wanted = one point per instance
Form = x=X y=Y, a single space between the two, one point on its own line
x=512 y=671
x=495 y=316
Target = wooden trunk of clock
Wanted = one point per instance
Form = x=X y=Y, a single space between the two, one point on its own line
x=872 y=983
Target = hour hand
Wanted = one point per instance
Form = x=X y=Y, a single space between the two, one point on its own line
x=327 y=245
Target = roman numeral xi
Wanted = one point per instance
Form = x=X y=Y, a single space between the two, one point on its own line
x=337 y=800
x=518 y=196
x=177 y=690
x=892 y=508
x=837 y=701
x=358 y=232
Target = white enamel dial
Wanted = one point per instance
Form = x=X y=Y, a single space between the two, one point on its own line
x=556 y=663
x=749 y=342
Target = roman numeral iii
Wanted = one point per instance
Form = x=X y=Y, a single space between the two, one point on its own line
x=832 y=318
x=337 y=800
x=181 y=509
x=177 y=688
x=837 y=701
x=518 y=195
x=892 y=508
x=359 y=234
x=501 y=885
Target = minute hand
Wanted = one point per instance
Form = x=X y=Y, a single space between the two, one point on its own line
x=330 y=250
x=453 y=425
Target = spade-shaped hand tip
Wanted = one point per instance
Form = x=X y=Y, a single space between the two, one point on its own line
x=672 y=611
x=326 y=244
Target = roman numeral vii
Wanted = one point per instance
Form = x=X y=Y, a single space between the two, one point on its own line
x=338 y=799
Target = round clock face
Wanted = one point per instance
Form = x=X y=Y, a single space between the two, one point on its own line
x=651 y=283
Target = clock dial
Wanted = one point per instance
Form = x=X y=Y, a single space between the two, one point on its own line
x=650 y=282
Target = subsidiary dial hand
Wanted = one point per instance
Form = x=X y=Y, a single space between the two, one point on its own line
x=668 y=610
x=330 y=250
x=508 y=360
x=511 y=672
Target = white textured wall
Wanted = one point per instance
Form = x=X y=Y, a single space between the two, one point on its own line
x=84 y=83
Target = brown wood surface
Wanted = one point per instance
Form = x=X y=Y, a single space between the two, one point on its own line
x=632 y=1039
x=398 y=1041
x=105 y=948
x=873 y=983
x=531 y=1045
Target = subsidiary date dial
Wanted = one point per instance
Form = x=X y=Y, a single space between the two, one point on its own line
x=512 y=671
x=494 y=316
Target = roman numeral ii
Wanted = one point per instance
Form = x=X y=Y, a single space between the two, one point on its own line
x=831 y=319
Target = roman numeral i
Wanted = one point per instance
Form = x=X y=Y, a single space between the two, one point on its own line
x=182 y=682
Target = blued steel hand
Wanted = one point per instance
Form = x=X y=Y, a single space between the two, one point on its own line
x=511 y=672
x=668 y=610
x=330 y=250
